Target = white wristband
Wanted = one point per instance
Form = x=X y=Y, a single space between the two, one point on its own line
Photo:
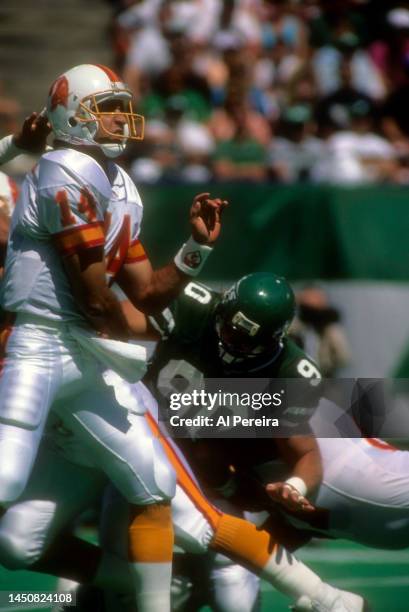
x=191 y=258
x=8 y=149
x=298 y=484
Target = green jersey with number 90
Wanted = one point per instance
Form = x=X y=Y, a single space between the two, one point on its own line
x=189 y=352
x=189 y=349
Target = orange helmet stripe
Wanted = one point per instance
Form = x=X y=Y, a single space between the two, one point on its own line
x=110 y=73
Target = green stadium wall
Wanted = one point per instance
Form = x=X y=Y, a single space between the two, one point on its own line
x=302 y=232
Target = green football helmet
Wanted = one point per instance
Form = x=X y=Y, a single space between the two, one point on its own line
x=253 y=316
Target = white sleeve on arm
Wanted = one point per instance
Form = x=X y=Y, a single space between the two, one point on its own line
x=8 y=149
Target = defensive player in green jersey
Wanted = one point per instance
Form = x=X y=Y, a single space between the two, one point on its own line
x=241 y=333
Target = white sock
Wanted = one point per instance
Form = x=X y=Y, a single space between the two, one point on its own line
x=290 y=576
x=153 y=581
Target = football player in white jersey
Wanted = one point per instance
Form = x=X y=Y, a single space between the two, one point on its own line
x=48 y=506
x=222 y=532
x=76 y=230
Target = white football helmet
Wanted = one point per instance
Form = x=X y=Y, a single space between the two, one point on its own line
x=74 y=114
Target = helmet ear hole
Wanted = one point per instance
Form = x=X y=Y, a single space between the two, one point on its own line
x=72 y=121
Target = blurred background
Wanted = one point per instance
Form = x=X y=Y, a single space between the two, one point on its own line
x=294 y=111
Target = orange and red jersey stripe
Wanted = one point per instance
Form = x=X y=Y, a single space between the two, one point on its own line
x=80 y=237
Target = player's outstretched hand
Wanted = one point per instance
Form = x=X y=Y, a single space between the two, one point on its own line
x=33 y=134
x=286 y=495
x=205 y=218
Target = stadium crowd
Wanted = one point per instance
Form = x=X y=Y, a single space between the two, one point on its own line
x=267 y=90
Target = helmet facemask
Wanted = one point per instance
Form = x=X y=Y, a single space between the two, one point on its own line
x=92 y=117
x=241 y=339
x=252 y=318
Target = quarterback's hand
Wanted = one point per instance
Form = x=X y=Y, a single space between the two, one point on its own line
x=205 y=218
x=286 y=495
x=33 y=134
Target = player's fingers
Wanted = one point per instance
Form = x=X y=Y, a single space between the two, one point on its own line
x=218 y=206
x=220 y=209
x=210 y=219
x=308 y=507
x=271 y=490
x=285 y=492
x=305 y=506
x=211 y=203
x=29 y=120
x=201 y=197
x=42 y=121
x=301 y=502
x=195 y=209
x=297 y=499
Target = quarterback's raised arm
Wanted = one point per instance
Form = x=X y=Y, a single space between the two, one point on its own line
x=31 y=138
x=151 y=290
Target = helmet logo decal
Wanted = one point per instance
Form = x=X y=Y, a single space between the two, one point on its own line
x=250 y=327
x=193 y=259
x=229 y=295
x=59 y=93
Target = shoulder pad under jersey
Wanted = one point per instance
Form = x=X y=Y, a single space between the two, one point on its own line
x=123 y=187
x=295 y=363
x=67 y=166
x=187 y=316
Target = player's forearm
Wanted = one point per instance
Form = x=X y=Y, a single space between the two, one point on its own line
x=99 y=305
x=138 y=323
x=309 y=469
x=104 y=313
x=165 y=285
x=302 y=455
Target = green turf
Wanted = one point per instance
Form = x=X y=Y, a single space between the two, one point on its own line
x=381 y=576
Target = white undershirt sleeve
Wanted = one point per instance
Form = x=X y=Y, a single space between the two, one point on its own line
x=8 y=149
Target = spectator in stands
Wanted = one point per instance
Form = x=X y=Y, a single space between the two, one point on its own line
x=239 y=132
x=238 y=99
x=295 y=150
x=391 y=53
x=305 y=71
x=318 y=330
x=357 y=154
x=341 y=32
x=333 y=112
